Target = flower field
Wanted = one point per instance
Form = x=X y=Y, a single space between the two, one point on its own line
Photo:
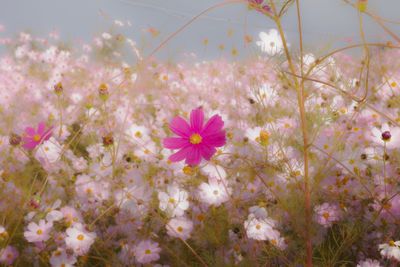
x=286 y=158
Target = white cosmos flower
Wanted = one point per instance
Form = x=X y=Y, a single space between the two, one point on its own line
x=180 y=227
x=369 y=263
x=60 y=258
x=50 y=151
x=390 y=250
x=174 y=201
x=38 y=232
x=78 y=239
x=215 y=192
x=270 y=42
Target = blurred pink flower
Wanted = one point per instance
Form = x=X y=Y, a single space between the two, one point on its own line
x=195 y=141
x=33 y=137
x=147 y=251
x=8 y=255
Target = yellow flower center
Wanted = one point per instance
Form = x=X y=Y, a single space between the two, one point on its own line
x=326 y=215
x=179 y=229
x=39 y=232
x=138 y=134
x=148 y=251
x=195 y=139
x=188 y=170
x=264 y=138
x=171 y=200
x=80 y=237
x=391 y=243
x=36 y=137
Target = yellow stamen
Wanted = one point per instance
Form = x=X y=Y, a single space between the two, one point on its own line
x=148 y=251
x=36 y=137
x=80 y=237
x=39 y=232
x=195 y=139
x=264 y=138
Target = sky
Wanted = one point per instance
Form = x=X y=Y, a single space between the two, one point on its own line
x=327 y=24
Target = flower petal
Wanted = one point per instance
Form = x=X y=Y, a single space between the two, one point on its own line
x=193 y=157
x=180 y=127
x=30 y=131
x=29 y=144
x=197 y=119
x=175 y=142
x=41 y=128
x=215 y=140
x=181 y=154
x=47 y=134
x=207 y=152
x=214 y=124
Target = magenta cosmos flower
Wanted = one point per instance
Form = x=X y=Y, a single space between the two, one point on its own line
x=197 y=140
x=33 y=137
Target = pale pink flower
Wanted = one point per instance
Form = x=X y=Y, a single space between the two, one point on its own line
x=147 y=251
x=8 y=255
x=79 y=239
x=60 y=258
x=38 y=232
x=180 y=227
x=326 y=214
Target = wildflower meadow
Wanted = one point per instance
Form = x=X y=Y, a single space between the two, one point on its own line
x=110 y=156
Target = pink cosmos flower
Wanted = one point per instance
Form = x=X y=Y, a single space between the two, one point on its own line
x=197 y=140
x=8 y=255
x=33 y=137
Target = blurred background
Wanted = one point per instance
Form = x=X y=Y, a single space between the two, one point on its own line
x=326 y=23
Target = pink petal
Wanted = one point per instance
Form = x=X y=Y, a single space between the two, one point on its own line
x=41 y=128
x=193 y=157
x=181 y=154
x=29 y=145
x=216 y=140
x=214 y=124
x=180 y=127
x=207 y=152
x=30 y=131
x=175 y=142
x=46 y=135
x=197 y=119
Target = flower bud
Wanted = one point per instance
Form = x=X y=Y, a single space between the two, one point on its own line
x=108 y=140
x=103 y=91
x=58 y=88
x=15 y=139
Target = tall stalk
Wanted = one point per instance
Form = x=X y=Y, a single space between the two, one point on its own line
x=299 y=86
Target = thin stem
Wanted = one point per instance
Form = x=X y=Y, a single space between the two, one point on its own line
x=300 y=100
x=171 y=36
